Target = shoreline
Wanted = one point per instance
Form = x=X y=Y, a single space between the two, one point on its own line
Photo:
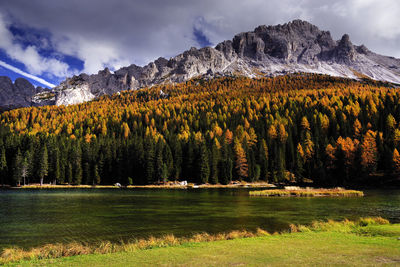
x=166 y=186
x=237 y=185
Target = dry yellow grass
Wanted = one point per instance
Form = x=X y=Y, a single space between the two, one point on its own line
x=307 y=193
x=71 y=249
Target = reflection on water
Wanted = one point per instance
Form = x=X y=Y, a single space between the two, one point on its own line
x=36 y=217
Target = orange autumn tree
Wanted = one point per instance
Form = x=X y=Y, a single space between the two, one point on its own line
x=357 y=128
x=330 y=153
x=369 y=152
x=125 y=129
x=396 y=161
x=241 y=160
x=347 y=148
x=228 y=137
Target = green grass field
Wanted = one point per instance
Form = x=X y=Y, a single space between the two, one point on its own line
x=332 y=243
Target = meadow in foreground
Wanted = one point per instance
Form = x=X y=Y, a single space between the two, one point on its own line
x=368 y=241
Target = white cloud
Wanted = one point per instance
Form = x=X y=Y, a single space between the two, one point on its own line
x=96 y=55
x=378 y=18
x=23 y=73
x=121 y=32
x=29 y=56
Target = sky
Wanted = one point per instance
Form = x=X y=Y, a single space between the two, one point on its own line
x=46 y=41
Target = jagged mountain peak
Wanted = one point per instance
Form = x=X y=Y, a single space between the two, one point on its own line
x=345 y=40
x=296 y=46
x=345 y=51
x=293 y=25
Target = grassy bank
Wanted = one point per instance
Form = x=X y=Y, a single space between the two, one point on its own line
x=307 y=193
x=369 y=241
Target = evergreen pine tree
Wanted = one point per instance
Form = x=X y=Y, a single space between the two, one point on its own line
x=204 y=168
x=55 y=162
x=251 y=160
x=214 y=163
x=159 y=160
x=69 y=173
x=25 y=168
x=17 y=168
x=281 y=164
x=188 y=164
x=95 y=175
x=177 y=159
x=86 y=173
x=43 y=163
x=169 y=160
x=150 y=155
x=225 y=165
x=263 y=160
x=3 y=165
x=76 y=160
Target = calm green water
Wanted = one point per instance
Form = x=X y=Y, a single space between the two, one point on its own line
x=36 y=217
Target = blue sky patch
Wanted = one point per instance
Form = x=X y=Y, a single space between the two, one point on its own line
x=201 y=38
x=41 y=41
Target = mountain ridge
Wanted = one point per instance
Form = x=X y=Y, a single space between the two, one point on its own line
x=297 y=46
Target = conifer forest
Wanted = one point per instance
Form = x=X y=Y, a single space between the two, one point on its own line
x=286 y=129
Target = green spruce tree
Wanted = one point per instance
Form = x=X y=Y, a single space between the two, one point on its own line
x=3 y=165
x=204 y=168
x=43 y=164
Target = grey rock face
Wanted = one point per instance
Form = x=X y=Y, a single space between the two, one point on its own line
x=298 y=42
x=6 y=89
x=345 y=52
x=17 y=94
x=297 y=46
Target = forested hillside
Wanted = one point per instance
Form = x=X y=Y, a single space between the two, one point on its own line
x=333 y=131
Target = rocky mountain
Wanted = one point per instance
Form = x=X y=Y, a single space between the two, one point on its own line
x=297 y=46
x=21 y=93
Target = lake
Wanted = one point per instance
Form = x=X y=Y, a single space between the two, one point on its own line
x=36 y=217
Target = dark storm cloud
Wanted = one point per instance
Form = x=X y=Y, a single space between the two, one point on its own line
x=120 y=32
